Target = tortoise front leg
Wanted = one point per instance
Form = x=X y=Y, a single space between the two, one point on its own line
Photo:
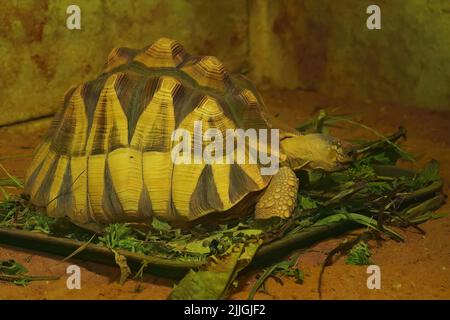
x=280 y=197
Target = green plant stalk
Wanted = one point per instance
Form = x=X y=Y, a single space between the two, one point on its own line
x=95 y=253
x=392 y=171
x=14 y=179
x=260 y=282
x=276 y=249
x=8 y=183
x=386 y=139
x=422 y=192
x=162 y=266
x=380 y=143
x=424 y=207
x=13 y=277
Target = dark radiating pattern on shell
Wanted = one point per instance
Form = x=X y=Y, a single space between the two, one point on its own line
x=99 y=134
x=135 y=105
x=64 y=197
x=91 y=93
x=126 y=87
x=56 y=121
x=41 y=198
x=205 y=197
x=240 y=183
x=185 y=102
x=31 y=178
x=111 y=203
x=140 y=99
x=63 y=139
x=145 y=204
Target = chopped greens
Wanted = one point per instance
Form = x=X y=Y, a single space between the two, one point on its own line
x=359 y=255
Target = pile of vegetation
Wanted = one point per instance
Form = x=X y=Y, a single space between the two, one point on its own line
x=372 y=193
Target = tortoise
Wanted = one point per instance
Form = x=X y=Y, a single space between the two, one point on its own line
x=107 y=155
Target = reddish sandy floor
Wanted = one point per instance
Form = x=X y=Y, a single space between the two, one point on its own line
x=419 y=268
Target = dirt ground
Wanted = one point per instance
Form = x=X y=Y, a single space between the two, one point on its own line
x=419 y=268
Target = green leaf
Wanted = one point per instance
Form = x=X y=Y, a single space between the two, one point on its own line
x=360 y=219
x=11 y=267
x=382 y=158
x=160 y=225
x=115 y=234
x=378 y=187
x=39 y=222
x=429 y=174
x=305 y=202
x=121 y=261
x=80 y=249
x=314 y=176
x=440 y=215
x=214 y=280
x=359 y=255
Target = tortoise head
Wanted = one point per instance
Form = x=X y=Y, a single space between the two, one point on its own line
x=317 y=151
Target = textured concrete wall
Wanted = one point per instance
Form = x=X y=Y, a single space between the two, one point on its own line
x=325 y=46
x=320 y=45
x=41 y=58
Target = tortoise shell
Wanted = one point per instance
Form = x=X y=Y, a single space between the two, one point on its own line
x=107 y=155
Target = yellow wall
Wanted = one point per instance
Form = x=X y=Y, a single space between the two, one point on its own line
x=325 y=46
x=315 y=45
x=41 y=58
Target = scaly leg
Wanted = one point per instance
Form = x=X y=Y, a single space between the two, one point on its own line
x=280 y=197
